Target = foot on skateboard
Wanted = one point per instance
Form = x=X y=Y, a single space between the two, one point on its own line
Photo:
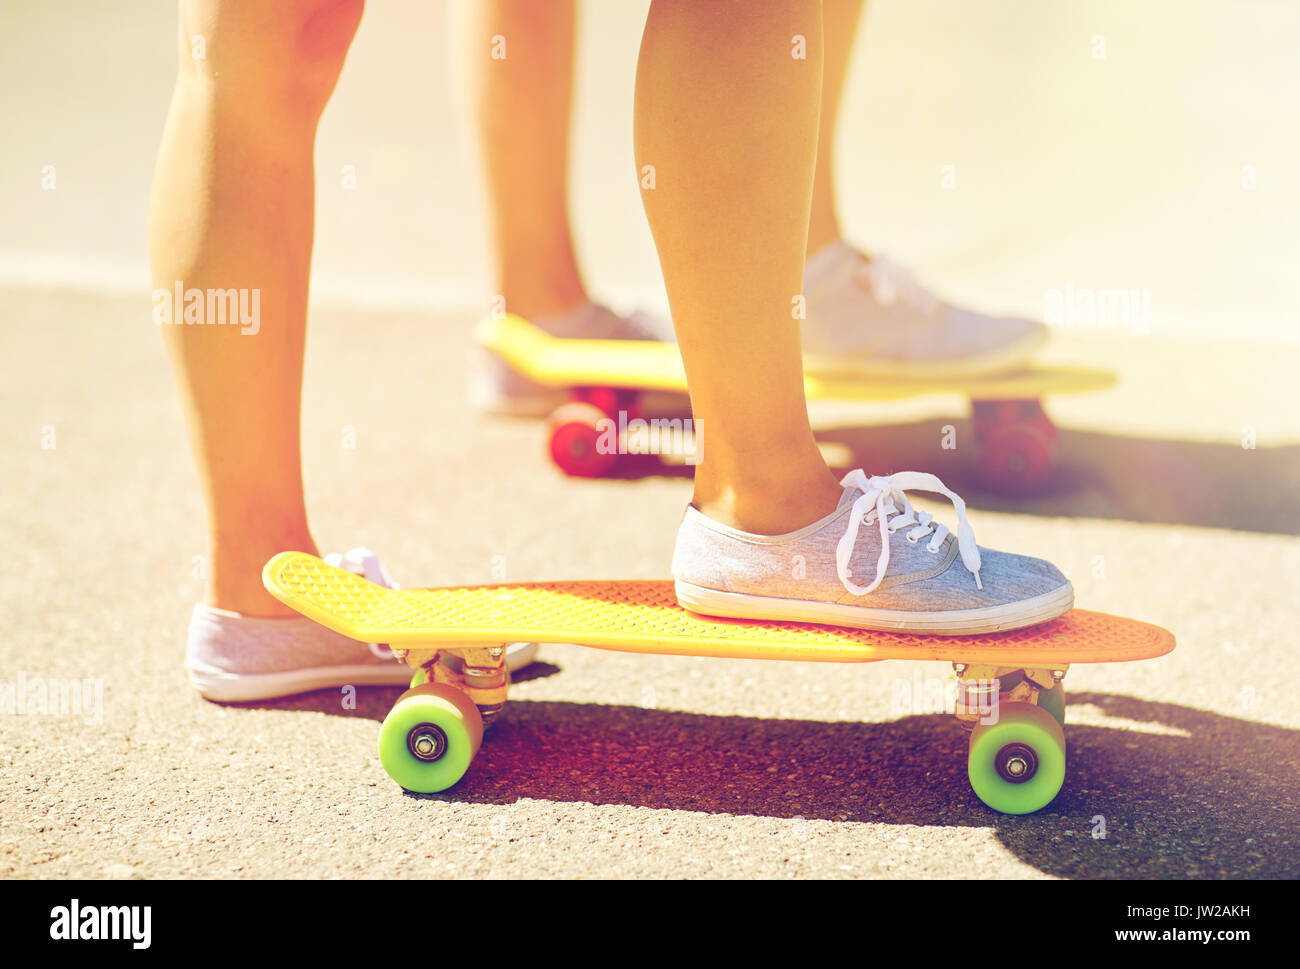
x=1009 y=692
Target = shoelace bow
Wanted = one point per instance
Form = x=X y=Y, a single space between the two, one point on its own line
x=880 y=499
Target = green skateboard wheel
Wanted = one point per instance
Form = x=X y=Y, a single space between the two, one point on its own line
x=429 y=738
x=1017 y=765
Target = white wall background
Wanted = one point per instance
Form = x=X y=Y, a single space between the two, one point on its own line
x=1123 y=172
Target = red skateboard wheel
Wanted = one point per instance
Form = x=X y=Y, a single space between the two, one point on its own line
x=580 y=442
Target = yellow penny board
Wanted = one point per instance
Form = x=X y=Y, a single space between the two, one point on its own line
x=651 y=365
x=643 y=617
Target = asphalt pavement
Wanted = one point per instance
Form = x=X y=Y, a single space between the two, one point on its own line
x=608 y=764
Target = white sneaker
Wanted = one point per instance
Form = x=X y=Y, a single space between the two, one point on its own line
x=232 y=658
x=869 y=315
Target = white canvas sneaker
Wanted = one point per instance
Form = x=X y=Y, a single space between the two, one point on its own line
x=875 y=562
x=871 y=316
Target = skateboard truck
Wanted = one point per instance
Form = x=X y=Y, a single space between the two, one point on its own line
x=983 y=687
x=479 y=671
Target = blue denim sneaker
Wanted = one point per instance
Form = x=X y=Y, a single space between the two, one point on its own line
x=922 y=578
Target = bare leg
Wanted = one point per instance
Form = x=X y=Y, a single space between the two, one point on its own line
x=840 y=19
x=728 y=118
x=232 y=207
x=522 y=103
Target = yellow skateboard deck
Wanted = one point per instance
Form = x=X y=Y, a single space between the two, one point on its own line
x=652 y=365
x=643 y=617
x=1008 y=691
x=606 y=381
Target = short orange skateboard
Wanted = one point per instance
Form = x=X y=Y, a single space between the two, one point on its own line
x=1009 y=692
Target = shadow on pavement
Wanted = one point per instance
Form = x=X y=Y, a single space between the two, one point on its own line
x=1096 y=475
x=1217 y=802
x=1205 y=795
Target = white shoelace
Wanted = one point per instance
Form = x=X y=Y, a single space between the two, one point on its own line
x=891 y=283
x=879 y=501
x=361 y=561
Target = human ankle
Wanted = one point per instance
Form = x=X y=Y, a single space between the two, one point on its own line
x=553 y=292
x=235 y=575
x=823 y=231
x=242 y=597
x=772 y=506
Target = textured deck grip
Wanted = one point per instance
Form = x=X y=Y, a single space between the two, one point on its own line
x=643 y=616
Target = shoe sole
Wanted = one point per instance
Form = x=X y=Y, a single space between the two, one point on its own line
x=963 y=622
x=245 y=687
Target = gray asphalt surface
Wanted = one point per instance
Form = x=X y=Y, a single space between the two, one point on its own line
x=622 y=765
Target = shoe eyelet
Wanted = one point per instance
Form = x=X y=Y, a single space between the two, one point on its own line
x=912 y=541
